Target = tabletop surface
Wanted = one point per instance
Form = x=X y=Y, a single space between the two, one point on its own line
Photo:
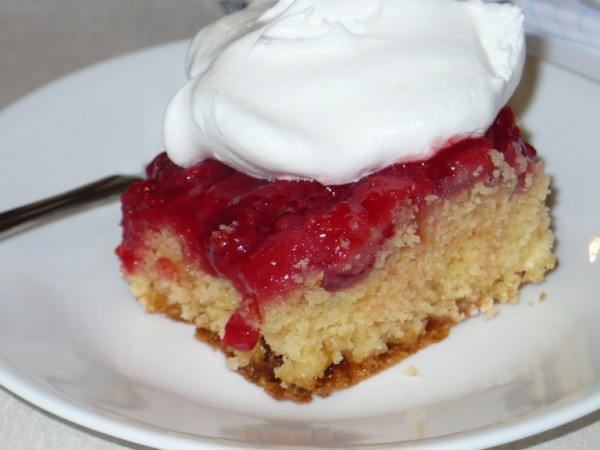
x=41 y=40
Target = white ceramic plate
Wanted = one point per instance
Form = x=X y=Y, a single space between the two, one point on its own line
x=74 y=342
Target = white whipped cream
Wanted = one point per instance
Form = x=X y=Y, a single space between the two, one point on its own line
x=333 y=90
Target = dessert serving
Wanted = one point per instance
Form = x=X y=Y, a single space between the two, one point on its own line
x=342 y=183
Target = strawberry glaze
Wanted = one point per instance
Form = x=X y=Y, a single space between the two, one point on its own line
x=267 y=237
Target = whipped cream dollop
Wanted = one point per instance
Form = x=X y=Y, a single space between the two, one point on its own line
x=332 y=90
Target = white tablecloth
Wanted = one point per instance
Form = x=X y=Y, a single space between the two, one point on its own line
x=41 y=40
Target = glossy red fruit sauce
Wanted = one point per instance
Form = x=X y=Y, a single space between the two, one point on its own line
x=267 y=237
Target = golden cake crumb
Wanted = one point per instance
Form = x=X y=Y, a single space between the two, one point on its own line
x=411 y=371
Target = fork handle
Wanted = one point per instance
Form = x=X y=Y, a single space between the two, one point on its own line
x=105 y=187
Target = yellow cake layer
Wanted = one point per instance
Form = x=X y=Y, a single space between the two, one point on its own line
x=467 y=251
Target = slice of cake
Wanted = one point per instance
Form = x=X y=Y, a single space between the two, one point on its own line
x=312 y=276
x=309 y=288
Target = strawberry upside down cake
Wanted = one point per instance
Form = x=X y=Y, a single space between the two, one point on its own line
x=346 y=197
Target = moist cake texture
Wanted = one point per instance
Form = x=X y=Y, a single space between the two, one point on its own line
x=309 y=288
